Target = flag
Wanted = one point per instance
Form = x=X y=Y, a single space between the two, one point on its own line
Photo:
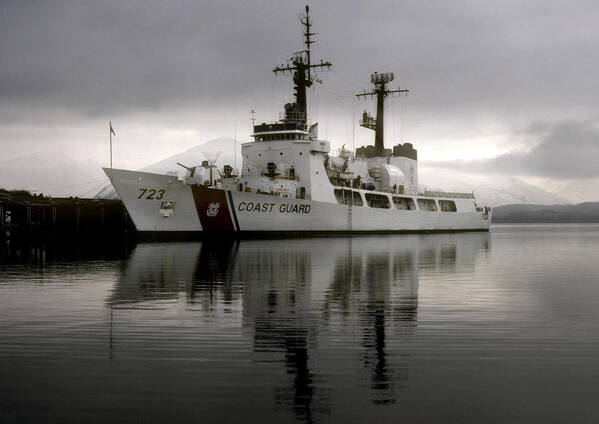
x=111 y=130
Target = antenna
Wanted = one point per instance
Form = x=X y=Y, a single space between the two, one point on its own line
x=235 y=139
x=212 y=157
x=300 y=67
x=380 y=82
x=353 y=127
x=253 y=113
x=305 y=20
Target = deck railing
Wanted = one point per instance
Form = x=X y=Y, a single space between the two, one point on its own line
x=451 y=195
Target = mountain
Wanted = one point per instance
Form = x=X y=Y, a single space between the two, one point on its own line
x=491 y=190
x=51 y=174
x=581 y=190
x=196 y=155
x=580 y=213
x=191 y=157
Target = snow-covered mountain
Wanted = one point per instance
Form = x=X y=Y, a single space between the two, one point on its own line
x=492 y=190
x=582 y=190
x=60 y=175
x=489 y=190
x=222 y=147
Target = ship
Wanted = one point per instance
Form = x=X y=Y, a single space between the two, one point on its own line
x=290 y=183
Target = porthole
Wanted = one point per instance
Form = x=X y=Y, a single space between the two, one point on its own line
x=301 y=153
x=281 y=153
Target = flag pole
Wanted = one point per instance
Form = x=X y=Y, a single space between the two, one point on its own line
x=110 y=132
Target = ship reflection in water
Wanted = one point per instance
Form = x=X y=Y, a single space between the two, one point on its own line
x=310 y=323
x=468 y=328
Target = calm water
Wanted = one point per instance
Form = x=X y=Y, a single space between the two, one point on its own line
x=464 y=328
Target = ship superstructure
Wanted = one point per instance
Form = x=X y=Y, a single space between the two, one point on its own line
x=290 y=183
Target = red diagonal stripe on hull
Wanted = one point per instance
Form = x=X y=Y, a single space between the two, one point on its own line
x=213 y=210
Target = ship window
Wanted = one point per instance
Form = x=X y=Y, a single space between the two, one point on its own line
x=427 y=205
x=301 y=153
x=357 y=199
x=377 y=201
x=447 y=206
x=281 y=153
x=404 y=203
x=347 y=198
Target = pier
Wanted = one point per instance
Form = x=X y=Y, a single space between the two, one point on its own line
x=27 y=216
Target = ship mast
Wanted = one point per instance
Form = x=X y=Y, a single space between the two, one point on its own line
x=380 y=91
x=300 y=66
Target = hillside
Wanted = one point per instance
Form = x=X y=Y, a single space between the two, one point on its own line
x=520 y=213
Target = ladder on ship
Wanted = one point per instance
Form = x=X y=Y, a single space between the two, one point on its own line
x=349 y=201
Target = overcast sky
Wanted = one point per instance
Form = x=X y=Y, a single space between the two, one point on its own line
x=510 y=84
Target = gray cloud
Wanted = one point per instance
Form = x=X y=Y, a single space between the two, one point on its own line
x=564 y=150
x=186 y=65
x=497 y=58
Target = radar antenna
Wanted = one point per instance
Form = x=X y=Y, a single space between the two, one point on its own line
x=380 y=91
x=212 y=157
x=300 y=66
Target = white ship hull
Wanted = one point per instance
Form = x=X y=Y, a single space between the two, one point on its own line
x=163 y=204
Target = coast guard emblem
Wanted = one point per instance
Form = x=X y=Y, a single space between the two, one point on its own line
x=213 y=209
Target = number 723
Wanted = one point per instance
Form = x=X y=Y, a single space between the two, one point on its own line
x=151 y=194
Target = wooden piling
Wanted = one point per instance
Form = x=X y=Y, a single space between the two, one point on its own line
x=78 y=218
